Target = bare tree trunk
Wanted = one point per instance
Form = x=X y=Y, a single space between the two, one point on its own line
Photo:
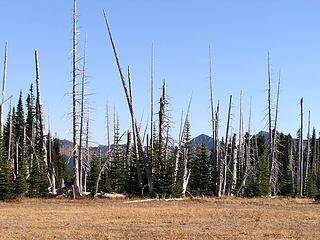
x=270 y=121
x=177 y=149
x=225 y=164
x=291 y=167
x=130 y=105
x=275 y=167
x=240 y=144
x=17 y=158
x=76 y=181
x=103 y=166
x=10 y=135
x=248 y=150
x=3 y=86
x=218 y=154
x=211 y=101
x=135 y=133
x=52 y=174
x=128 y=150
x=83 y=89
x=41 y=113
x=186 y=173
x=300 y=157
x=234 y=164
x=87 y=156
x=307 y=164
x=162 y=120
x=151 y=103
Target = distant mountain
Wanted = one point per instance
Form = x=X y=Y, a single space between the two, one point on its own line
x=66 y=145
x=202 y=139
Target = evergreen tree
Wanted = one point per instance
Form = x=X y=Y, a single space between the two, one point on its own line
x=200 y=172
x=94 y=173
x=5 y=176
x=59 y=163
x=117 y=171
x=30 y=128
x=264 y=187
x=20 y=163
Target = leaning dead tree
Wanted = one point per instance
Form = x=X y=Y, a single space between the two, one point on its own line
x=76 y=181
x=4 y=80
x=275 y=168
x=225 y=159
x=135 y=128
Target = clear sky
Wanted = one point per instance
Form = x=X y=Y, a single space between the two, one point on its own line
x=240 y=33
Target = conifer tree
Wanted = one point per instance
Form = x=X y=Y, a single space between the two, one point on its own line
x=117 y=171
x=200 y=172
x=30 y=128
x=94 y=172
x=5 y=176
x=264 y=187
x=20 y=163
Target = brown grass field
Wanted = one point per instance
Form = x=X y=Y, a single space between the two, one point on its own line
x=229 y=218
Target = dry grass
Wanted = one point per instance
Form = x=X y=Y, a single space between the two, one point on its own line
x=231 y=218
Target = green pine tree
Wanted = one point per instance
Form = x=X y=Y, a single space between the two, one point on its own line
x=5 y=175
x=94 y=173
x=117 y=170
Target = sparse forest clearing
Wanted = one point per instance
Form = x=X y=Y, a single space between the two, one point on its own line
x=225 y=218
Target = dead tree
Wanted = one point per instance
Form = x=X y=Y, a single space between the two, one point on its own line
x=76 y=182
x=234 y=159
x=82 y=108
x=271 y=161
x=86 y=166
x=151 y=103
x=135 y=130
x=300 y=154
x=107 y=160
x=10 y=159
x=212 y=102
x=275 y=167
x=51 y=164
x=131 y=109
x=162 y=119
x=307 y=164
x=247 y=150
x=178 y=149
x=225 y=159
x=218 y=153
x=291 y=167
x=41 y=113
x=4 y=80
x=240 y=141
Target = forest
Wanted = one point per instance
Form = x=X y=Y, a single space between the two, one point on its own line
x=153 y=163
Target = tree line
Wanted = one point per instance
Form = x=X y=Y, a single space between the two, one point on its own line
x=150 y=163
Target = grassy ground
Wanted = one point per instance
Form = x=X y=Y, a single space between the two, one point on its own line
x=231 y=218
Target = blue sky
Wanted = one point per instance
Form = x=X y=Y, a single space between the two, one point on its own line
x=240 y=33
